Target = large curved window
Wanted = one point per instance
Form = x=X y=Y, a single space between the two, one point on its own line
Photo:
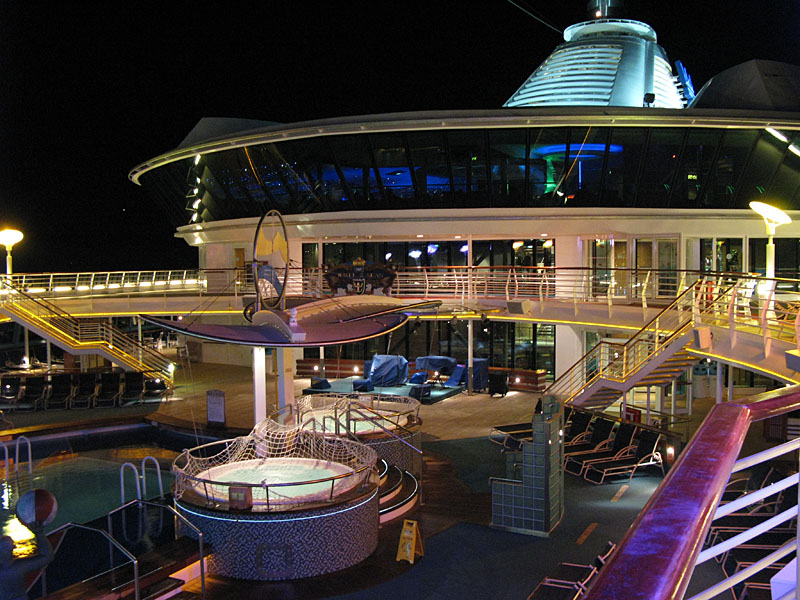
x=649 y=167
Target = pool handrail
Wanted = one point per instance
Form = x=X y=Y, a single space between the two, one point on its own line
x=374 y=421
x=685 y=503
x=122 y=482
x=112 y=540
x=152 y=459
x=180 y=517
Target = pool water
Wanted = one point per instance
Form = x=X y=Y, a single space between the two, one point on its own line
x=361 y=424
x=85 y=488
x=274 y=471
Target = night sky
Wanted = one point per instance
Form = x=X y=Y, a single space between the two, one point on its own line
x=91 y=89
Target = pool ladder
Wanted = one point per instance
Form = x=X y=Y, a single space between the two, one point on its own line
x=140 y=487
x=6 y=457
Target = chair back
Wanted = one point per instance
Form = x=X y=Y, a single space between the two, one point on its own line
x=134 y=381
x=109 y=382
x=580 y=422
x=601 y=430
x=34 y=386
x=87 y=383
x=61 y=384
x=622 y=439
x=648 y=441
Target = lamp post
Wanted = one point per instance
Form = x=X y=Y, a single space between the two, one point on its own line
x=9 y=237
x=773 y=217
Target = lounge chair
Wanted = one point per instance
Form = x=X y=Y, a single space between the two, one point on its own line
x=577 y=574
x=646 y=455
x=132 y=388
x=577 y=462
x=555 y=591
x=110 y=390
x=33 y=394
x=578 y=427
x=602 y=429
x=156 y=388
x=61 y=391
x=87 y=391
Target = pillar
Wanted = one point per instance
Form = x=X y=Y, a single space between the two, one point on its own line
x=470 y=349
x=719 y=382
x=284 y=365
x=259 y=384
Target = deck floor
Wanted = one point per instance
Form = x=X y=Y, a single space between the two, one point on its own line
x=464 y=556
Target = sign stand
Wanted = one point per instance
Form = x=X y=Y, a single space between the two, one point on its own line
x=215 y=408
x=410 y=544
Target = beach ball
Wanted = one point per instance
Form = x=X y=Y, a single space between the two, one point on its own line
x=37 y=506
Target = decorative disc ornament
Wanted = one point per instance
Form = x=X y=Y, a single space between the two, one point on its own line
x=37 y=506
x=270 y=260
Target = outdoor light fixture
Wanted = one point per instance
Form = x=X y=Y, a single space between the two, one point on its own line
x=9 y=237
x=415 y=254
x=773 y=218
x=518 y=244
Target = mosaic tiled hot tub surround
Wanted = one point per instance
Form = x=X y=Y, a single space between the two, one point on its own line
x=288 y=545
x=281 y=502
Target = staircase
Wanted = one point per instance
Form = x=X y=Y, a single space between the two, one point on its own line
x=80 y=336
x=655 y=355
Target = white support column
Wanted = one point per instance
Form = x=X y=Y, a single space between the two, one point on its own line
x=259 y=384
x=26 y=337
x=139 y=336
x=647 y=412
x=720 y=366
x=470 y=349
x=284 y=363
x=49 y=355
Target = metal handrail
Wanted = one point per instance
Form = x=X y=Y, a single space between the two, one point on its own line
x=111 y=540
x=178 y=516
x=683 y=507
x=75 y=333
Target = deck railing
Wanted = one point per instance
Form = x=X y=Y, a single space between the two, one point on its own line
x=76 y=334
x=665 y=541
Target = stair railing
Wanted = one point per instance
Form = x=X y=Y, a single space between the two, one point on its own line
x=74 y=333
x=619 y=362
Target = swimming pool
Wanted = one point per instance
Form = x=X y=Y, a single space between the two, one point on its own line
x=82 y=470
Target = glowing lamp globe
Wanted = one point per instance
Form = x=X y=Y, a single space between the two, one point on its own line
x=37 y=506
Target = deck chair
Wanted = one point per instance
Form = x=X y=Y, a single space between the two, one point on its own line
x=155 y=388
x=646 y=454
x=510 y=437
x=577 y=574
x=61 y=391
x=86 y=392
x=577 y=463
x=132 y=388
x=10 y=390
x=555 y=591
x=33 y=394
x=760 y=475
x=579 y=425
x=110 y=390
x=601 y=433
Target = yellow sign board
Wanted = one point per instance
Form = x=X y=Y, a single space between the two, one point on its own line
x=410 y=544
